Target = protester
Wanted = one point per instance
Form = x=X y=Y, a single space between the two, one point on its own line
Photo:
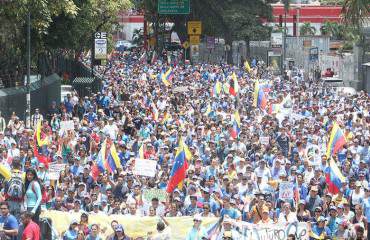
x=239 y=151
x=9 y=223
x=33 y=195
x=31 y=229
x=197 y=232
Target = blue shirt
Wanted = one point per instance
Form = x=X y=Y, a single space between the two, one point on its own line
x=231 y=212
x=70 y=235
x=10 y=223
x=367 y=209
x=196 y=234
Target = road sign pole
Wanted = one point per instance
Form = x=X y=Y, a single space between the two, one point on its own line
x=28 y=69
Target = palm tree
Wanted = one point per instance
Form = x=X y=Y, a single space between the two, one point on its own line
x=355 y=12
x=333 y=30
x=307 y=30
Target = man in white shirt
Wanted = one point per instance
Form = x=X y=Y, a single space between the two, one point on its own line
x=111 y=129
x=13 y=151
x=263 y=171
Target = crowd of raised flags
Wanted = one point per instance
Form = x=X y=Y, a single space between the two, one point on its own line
x=223 y=144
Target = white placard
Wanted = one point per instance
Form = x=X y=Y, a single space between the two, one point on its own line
x=144 y=167
x=67 y=125
x=286 y=190
x=265 y=140
x=54 y=170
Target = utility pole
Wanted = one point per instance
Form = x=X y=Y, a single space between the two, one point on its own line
x=28 y=69
x=286 y=9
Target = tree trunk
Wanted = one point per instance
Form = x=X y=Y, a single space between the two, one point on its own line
x=229 y=52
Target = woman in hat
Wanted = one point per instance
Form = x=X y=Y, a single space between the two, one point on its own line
x=119 y=233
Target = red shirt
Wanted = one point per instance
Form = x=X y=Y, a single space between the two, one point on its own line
x=32 y=231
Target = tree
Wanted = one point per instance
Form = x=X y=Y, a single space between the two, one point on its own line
x=355 y=12
x=307 y=30
x=63 y=25
x=332 y=2
x=334 y=30
x=138 y=37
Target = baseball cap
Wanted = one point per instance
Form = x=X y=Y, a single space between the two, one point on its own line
x=118 y=228
x=197 y=217
x=321 y=219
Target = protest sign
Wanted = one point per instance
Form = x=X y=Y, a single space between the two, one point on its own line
x=145 y=167
x=265 y=140
x=135 y=226
x=180 y=226
x=54 y=170
x=67 y=125
x=286 y=190
x=250 y=231
x=149 y=194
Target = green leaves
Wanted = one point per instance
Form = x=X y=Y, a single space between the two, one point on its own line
x=355 y=12
x=66 y=25
x=307 y=30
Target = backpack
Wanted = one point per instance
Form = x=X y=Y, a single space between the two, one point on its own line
x=15 y=186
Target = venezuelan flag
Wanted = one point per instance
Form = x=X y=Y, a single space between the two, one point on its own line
x=234 y=86
x=336 y=141
x=274 y=108
x=216 y=89
x=100 y=165
x=167 y=77
x=296 y=191
x=113 y=160
x=260 y=99
x=166 y=117
x=209 y=110
x=334 y=177
x=40 y=142
x=247 y=66
x=188 y=154
x=226 y=87
x=178 y=171
x=235 y=130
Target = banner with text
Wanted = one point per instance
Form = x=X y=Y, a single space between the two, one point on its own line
x=250 y=231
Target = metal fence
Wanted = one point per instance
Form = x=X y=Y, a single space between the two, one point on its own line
x=298 y=48
x=239 y=52
x=42 y=94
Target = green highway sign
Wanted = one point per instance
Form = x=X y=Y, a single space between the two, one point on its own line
x=173 y=6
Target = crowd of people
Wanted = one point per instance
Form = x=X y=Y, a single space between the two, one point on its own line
x=235 y=178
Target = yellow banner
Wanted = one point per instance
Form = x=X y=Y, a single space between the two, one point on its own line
x=134 y=226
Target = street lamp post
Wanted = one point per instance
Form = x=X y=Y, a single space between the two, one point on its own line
x=28 y=69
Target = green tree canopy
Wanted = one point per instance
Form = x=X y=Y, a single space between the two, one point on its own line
x=66 y=25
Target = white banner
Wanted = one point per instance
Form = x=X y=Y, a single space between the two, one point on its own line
x=250 y=231
x=54 y=170
x=144 y=167
x=67 y=125
x=286 y=190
